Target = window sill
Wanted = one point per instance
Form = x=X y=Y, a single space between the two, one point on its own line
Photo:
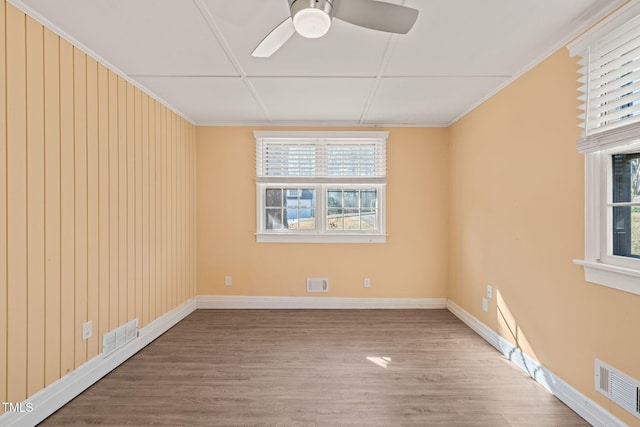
x=320 y=238
x=613 y=276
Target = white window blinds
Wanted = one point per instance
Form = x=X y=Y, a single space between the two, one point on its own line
x=324 y=155
x=610 y=74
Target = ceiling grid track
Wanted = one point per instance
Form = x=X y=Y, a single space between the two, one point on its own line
x=391 y=42
x=388 y=50
x=215 y=29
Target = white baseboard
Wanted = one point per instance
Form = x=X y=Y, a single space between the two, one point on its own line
x=593 y=413
x=57 y=394
x=251 y=302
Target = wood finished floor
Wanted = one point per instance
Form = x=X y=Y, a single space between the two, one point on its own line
x=317 y=368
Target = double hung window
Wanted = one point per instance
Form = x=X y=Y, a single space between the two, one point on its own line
x=320 y=186
x=610 y=85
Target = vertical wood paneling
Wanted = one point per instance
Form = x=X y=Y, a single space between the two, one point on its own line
x=103 y=201
x=3 y=214
x=189 y=177
x=93 y=191
x=159 y=213
x=179 y=216
x=35 y=207
x=114 y=200
x=171 y=190
x=52 y=205
x=122 y=202
x=184 y=174
x=80 y=131
x=164 y=209
x=137 y=101
x=97 y=206
x=182 y=192
x=17 y=209
x=174 y=210
x=194 y=195
x=67 y=210
x=146 y=223
x=192 y=207
x=153 y=214
x=131 y=200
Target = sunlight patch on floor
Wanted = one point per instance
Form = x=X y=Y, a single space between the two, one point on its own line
x=383 y=362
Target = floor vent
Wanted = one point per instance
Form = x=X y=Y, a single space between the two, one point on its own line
x=317 y=285
x=619 y=387
x=113 y=340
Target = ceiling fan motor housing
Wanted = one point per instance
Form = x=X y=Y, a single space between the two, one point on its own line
x=311 y=18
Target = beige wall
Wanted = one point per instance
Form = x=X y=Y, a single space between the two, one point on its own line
x=517 y=209
x=413 y=262
x=97 y=204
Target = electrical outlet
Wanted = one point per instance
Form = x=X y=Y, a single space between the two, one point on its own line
x=367 y=282
x=227 y=280
x=489 y=291
x=485 y=305
x=87 y=330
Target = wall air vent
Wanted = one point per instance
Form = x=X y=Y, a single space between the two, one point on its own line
x=619 y=387
x=317 y=285
x=113 y=340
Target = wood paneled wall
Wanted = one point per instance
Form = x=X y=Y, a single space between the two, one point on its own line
x=97 y=206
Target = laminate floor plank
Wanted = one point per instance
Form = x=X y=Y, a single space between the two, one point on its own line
x=317 y=368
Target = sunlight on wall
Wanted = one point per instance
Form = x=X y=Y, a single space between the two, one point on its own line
x=508 y=327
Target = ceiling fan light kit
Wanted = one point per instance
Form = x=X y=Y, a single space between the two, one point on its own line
x=311 y=18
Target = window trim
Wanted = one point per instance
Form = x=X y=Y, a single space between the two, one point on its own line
x=321 y=184
x=601 y=267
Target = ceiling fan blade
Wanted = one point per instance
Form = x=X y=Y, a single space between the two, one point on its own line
x=376 y=15
x=275 y=39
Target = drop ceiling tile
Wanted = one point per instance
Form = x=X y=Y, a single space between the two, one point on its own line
x=142 y=37
x=322 y=100
x=208 y=100
x=490 y=38
x=433 y=101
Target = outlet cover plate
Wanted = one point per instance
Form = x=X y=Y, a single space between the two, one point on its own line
x=87 y=330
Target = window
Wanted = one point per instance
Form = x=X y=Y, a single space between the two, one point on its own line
x=610 y=59
x=320 y=187
x=623 y=208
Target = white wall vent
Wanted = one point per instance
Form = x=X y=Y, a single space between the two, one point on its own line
x=113 y=340
x=317 y=285
x=619 y=387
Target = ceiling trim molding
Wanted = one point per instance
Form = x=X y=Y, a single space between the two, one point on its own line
x=332 y=124
x=85 y=49
x=581 y=24
x=614 y=20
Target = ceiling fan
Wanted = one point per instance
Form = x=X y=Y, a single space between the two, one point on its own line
x=312 y=19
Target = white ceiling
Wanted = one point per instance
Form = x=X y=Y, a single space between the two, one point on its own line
x=195 y=56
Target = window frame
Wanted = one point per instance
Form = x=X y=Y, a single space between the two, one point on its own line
x=321 y=185
x=600 y=265
x=598 y=146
